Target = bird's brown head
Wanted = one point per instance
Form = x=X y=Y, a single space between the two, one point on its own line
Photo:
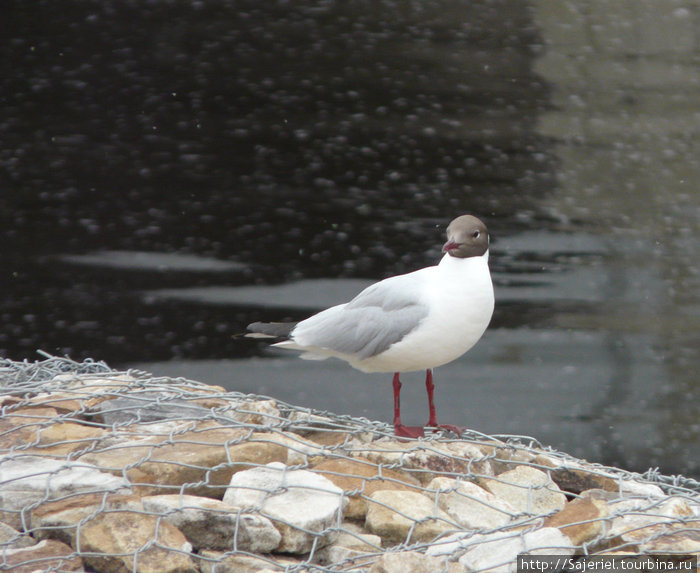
x=467 y=236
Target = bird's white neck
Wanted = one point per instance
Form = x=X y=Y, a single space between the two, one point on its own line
x=448 y=260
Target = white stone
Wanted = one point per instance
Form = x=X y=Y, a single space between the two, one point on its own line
x=213 y=524
x=633 y=514
x=399 y=515
x=497 y=553
x=629 y=486
x=352 y=543
x=469 y=505
x=299 y=449
x=303 y=505
x=528 y=490
x=411 y=562
x=25 y=480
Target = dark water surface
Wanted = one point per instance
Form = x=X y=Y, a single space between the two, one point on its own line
x=172 y=171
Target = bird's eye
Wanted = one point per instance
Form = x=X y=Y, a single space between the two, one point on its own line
x=476 y=234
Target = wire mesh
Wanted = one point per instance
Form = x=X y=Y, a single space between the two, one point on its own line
x=104 y=470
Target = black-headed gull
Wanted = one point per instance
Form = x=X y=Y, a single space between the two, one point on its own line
x=416 y=321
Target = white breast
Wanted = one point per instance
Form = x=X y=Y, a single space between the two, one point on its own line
x=459 y=293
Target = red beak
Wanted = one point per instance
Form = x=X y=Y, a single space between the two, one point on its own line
x=449 y=246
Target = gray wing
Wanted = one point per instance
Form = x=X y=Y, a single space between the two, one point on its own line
x=378 y=317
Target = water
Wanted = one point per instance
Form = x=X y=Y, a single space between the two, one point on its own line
x=171 y=172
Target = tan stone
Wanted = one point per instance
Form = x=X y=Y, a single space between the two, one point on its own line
x=218 y=562
x=62 y=438
x=46 y=555
x=92 y=390
x=352 y=542
x=21 y=427
x=353 y=536
x=161 y=465
x=428 y=460
x=212 y=524
x=682 y=538
x=329 y=438
x=504 y=458
x=680 y=535
x=394 y=515
x=581 y=520
x=299 y=449
x=63 y=403
x=60 y=519
x=364 y=477
x=255 y=412
x=527 y=489
x=413 y=562
x=10 y=538
x=629 y=516
x=122 y=542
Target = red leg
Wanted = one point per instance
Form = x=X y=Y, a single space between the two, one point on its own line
x=397 y=399
x=400 y=430
x=432 y=420
x=430 y=388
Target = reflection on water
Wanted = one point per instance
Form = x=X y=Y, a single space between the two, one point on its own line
x=175 y=171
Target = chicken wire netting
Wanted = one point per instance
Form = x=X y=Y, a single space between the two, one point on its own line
x=104 y=470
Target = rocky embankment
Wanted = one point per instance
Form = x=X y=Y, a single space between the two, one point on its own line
x=112 y=472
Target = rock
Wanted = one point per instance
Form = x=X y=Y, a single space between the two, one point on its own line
x=10 y=538
x=469 y=505
x=413 y=562
x=145 y=407
x=354 y=537
x=680 y=538
x=425 y=460
x=188 y=458
x=27 y=480
x=528 y=490
x=122 y=542
x=218 y=562
x=339 y=555
x=634 y=487
x=62 y=438
x=46 y=555
x=581 y=520
x=351 y=544
x=60 y=519
x=331 y=440
x=63 y=403
x=20 y=427
x=255 y=412
x=631 y=515
x=574 y=477
x=304 y=422
x=212 y=524
x=93 y=390
x=359 y=478
x=507 y=457
x=498 y=553
x=299 y=449
x=407 y=516
x=645 y=524
x=303 y=505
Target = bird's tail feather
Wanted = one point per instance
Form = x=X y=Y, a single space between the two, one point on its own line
x=270 y=329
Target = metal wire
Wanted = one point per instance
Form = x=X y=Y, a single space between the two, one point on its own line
x=135 y=419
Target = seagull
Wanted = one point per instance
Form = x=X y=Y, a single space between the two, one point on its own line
x=415 y=321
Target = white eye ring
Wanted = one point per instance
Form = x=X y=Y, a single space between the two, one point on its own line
x=476 y=234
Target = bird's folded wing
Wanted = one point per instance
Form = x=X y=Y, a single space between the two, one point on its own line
x=378 y=317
